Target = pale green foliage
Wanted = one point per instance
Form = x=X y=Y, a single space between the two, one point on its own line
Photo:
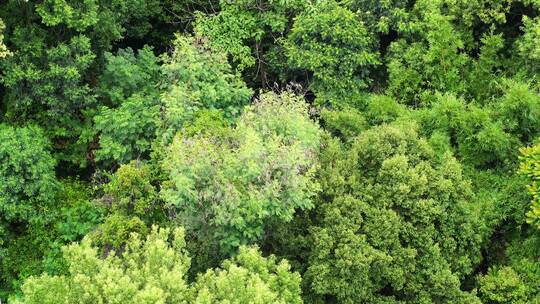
x=345 y=124
x=209 y=122
x=527 y=45
x=27 y=178
x=149 y=271
x=503 y=286
x=130 y=190
x=397 y=225
x=199 y=78
x=332 y=42
x=530 y=167
x=249 y=278
x=229 y=187
x=154 y=270
x=519 y=280
x=4 y=52
x=132 y=202
x=383 y=109
x=115 y=230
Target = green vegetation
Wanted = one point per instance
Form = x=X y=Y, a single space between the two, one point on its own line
x=270 y=151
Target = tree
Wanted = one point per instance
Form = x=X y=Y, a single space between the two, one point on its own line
x=130 y=190
x=428 y=57
x=38 y=213
x=229 y=188
x=517 y=278
x=126 y=133
x=103 y=21
x=527 y=45
x=247 y=30
x=27 y=185
x=396 y=225
x=380 y=17
x=132 y=204
x=249 y=278
x=199 y=77
x=503 y=286
x=332 y=42
x=33 y=246
x=58 y=49
x=46 y=86
x=27 y=178
x=128 y=73
x=153 y=270
x=518 y=109
x=484 y=135
x=474 y=132
x=127 y=126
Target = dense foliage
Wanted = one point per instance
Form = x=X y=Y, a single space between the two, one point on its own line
x=270 y=151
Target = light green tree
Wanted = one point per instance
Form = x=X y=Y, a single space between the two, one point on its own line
x=153 y=270
x=503 y=285
x=517 y=279
x=228 y=188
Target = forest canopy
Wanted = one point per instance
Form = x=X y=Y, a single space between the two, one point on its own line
x=270 y=151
